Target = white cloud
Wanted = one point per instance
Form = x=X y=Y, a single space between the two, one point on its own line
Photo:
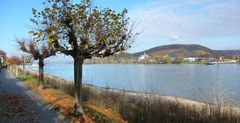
x=187 y=20
x=174 y=38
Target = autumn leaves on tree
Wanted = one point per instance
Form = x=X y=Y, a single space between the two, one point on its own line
x=80 y=31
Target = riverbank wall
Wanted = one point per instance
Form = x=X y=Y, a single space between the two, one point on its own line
x=137 y=107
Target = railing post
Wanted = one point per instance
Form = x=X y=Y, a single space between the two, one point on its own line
x=16 y=70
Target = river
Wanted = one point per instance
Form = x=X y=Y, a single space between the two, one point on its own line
x=192 y=81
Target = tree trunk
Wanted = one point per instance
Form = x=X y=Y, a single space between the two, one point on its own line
x=41 y=76
x=78 y=63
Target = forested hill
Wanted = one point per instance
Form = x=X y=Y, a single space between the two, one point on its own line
x=173 y=50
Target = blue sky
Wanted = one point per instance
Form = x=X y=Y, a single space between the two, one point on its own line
x=212 y=23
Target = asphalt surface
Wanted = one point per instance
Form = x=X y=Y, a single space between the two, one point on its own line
x=20 y=105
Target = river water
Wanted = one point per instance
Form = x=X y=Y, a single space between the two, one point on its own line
x=198 y=82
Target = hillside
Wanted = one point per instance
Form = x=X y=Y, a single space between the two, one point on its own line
x=228 y=52
x=179 y=49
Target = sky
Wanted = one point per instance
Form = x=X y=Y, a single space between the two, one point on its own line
x=211 y=23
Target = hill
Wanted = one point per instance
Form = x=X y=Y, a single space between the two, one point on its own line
x=228 y=52
x=173 y=50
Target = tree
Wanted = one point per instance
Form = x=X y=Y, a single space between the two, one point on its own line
x=158 y=59
x=14 y=60
x=39 y=51
x=82 y=31
x=179 y=59
x=166 y=60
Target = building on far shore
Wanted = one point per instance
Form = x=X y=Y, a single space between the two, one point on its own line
x=228 y=61
x=211 y=59
x=191 y=59
x=142 y=57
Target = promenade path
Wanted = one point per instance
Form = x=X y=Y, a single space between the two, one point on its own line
x=20 y=105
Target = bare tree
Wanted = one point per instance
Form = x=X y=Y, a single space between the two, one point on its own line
x=82 y=31
x=39 y=51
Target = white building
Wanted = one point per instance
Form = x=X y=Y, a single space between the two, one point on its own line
x=190 y=59
x=229 y=61
x=211 y=59
x=142 y=57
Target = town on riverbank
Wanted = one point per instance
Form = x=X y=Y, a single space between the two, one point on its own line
x=173 y=54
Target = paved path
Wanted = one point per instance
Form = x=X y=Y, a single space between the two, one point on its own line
x=20 y=105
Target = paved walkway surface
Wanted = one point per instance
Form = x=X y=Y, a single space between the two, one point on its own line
x=20 y=105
